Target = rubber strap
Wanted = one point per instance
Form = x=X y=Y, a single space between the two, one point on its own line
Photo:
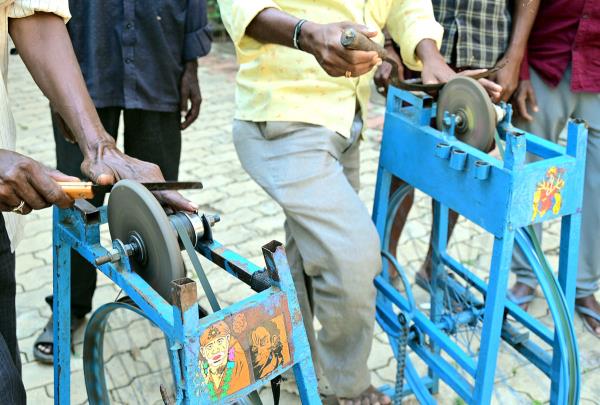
x=276 y=389
x=499 y=143
x=189 y=248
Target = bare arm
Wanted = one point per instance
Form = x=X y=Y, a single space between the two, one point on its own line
x=320 y=40
x=45 y=47
x=524 y=14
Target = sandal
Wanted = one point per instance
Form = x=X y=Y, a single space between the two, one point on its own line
x=371 y=396
x=522 y=301
x=46 y=338
x=583 y=312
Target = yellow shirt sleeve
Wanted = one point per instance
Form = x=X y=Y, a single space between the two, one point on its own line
x=25 y=8
x=409 y=22
x=238 y=14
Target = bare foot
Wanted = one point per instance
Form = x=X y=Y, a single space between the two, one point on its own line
x=523 y=293
x=592 y=304
x=370 y=396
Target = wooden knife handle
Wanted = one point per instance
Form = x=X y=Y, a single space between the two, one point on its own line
x=77 y=190
x=357 y=41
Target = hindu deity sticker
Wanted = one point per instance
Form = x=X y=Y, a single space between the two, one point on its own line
x=547 y=195
x=224 y=365
x=267 y=348
x=244 y=348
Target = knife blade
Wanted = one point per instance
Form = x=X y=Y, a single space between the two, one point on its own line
x=87 y=189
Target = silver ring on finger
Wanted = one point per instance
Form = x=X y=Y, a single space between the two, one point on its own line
x=19 y=208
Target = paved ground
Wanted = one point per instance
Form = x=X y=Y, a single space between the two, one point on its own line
x=135 y=352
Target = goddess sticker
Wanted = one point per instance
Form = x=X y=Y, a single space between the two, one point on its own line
x=547 y=195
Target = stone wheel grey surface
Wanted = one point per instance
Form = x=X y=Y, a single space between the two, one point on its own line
x=132 y=208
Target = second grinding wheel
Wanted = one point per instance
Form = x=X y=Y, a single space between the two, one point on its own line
x=135 y=214
x=476 y=116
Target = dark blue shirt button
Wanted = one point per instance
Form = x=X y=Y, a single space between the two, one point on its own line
x=129 y=26
x=128 y=60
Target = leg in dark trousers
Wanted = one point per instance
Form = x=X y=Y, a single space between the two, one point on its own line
x=68 y=161
x=155 y=137
x=11 y=386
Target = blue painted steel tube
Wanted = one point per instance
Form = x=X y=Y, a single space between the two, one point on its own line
x=446 y=371
x=526 y=319
x=61 y=309
x=493 y=318
x=427 y=327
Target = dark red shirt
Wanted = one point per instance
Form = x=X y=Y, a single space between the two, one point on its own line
x=566 y=32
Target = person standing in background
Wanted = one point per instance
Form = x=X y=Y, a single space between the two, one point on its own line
x=560 y=79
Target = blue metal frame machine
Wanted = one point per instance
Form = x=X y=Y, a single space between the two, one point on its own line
x=504 y=197
x=274 y=305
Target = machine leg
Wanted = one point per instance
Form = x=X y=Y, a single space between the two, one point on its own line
x=306 y=381
x=439 y=238
x=382 y=196
x=493 y=317
x=176 y=372
x=61 y=308
x=569 y=242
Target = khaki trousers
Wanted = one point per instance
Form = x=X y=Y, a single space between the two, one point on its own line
x=331 y=242
x=556 y=106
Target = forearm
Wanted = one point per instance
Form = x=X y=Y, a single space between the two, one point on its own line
x=273 y=26
x=45 y=47
x=524 y=13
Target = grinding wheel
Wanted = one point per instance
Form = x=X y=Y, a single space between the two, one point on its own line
x=133 y=210
x=470 y=102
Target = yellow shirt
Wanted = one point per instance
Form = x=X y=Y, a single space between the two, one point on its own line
x=277 y=83
x=17 y=9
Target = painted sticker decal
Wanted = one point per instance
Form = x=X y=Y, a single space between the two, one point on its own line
x=547 y=194
x=245 y=347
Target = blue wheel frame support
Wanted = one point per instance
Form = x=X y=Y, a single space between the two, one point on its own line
x=502 y=198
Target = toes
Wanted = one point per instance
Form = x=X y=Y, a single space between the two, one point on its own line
x=46 y=349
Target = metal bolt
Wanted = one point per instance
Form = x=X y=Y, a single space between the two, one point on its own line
x=213 y=219
x=112 y=256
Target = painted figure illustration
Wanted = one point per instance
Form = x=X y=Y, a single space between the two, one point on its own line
x=222 y=361
x=547 y=195
x=267 y=348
